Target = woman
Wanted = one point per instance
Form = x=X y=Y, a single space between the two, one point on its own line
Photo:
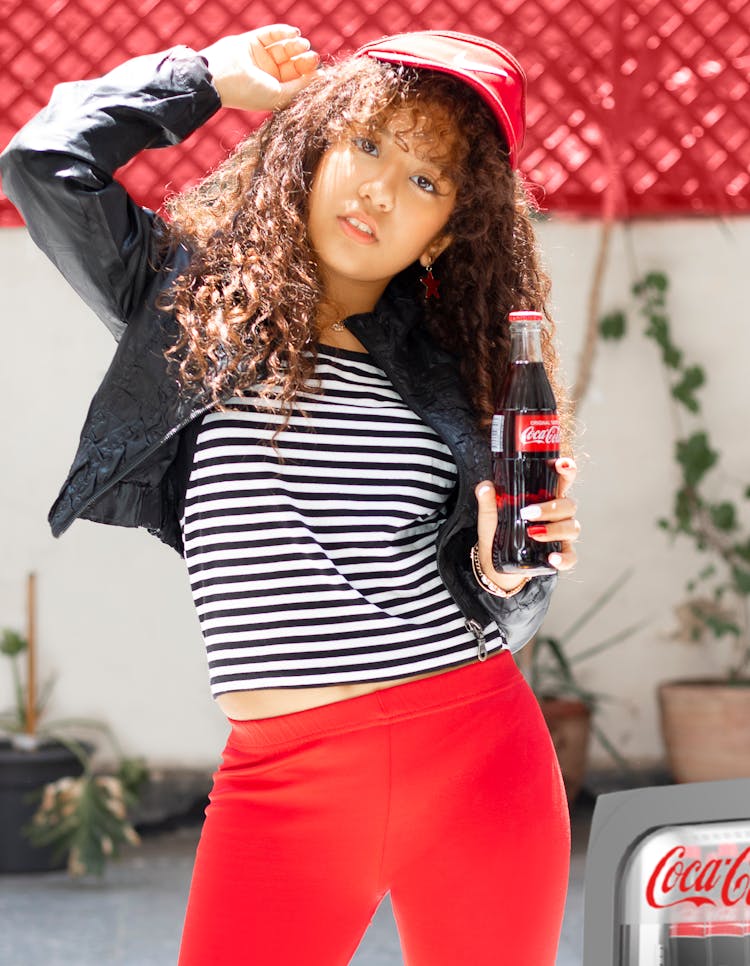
x=299 y=405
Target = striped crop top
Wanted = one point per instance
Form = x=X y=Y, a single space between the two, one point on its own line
x=321 y=568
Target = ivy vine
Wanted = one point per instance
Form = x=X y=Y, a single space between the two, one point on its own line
x=714 y=525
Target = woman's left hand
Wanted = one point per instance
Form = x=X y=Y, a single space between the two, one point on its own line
x=553 y=520
x=262 y=69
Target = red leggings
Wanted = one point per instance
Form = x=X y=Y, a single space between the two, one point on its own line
x=445 y=791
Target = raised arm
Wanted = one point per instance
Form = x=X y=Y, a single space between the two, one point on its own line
x=58 y=169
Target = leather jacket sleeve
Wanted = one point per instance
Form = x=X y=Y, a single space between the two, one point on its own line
x=520 y=617
x=58 y=171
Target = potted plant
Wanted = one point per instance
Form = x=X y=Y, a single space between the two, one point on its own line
x=53 y=809
x=705 y=721
x=568 y=706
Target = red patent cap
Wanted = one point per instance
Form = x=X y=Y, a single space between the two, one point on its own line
x=487 y=67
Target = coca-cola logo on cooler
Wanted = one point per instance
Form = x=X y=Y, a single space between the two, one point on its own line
x=715 y=880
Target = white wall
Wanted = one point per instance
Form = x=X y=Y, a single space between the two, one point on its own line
x=116 y=619
x=627 y=471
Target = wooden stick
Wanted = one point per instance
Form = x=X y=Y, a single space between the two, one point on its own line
x=591 y=336
x=31 y=655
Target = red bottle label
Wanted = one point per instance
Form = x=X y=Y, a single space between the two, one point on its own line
x=537 y=432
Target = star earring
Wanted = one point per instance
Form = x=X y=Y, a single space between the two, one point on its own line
x=430 y=283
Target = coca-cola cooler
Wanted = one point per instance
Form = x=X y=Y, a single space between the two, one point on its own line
x=667 y=880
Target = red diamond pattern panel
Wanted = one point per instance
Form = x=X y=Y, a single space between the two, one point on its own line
x=636 y=108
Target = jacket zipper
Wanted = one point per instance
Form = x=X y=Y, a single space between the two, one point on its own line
x=476 y=629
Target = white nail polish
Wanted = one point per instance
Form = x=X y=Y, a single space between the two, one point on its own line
x=555 y=559
x=532 y=512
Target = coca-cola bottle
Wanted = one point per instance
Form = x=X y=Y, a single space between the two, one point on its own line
x=688 y=944
x=727 y=943
x=525 y=442
x=715 y=943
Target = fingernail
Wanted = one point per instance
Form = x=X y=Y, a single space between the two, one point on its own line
x=536 y=531
x=566 y=464
x=532 y=512
x=484 y=489
x=555 y=559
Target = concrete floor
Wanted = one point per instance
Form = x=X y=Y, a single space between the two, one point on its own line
x=134 y=916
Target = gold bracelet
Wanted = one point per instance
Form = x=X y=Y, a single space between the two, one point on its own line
x=484 y=581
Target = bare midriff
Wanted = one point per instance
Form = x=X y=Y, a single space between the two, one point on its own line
x=270 y=702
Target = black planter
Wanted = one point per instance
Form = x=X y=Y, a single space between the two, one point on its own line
x=21 y=773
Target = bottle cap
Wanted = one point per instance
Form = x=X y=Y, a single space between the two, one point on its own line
x=525 y=317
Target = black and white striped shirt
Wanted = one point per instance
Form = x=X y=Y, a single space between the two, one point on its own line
x=321 y=569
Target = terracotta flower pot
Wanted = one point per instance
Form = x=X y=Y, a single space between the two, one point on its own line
x=569 y=723
x=706 y=729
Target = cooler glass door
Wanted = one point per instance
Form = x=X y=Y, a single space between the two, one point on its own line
x=683 y=897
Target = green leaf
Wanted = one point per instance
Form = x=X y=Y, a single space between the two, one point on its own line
x=20 y=694
x=608 y=642
x=597 y=605
x=683 y=508
x=567 y=689
x=696 y=457
x=133 y=773
x=658 y=281
x=747 y=493
x=658 y=329
x=742 y=550
x=692 y=378
x=90 y=827
x=714 y=622
x=45 y=693
x=671 y=356
x=741 y=580
x=12 y=643
x=560 y=656
x=723 y=516
x=612 y=326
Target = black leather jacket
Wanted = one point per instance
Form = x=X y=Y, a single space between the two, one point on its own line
x=58 y=171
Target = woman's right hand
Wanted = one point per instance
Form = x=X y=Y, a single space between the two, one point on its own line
x=262 y=69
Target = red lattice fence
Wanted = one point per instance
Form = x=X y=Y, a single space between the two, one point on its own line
x=636 y=107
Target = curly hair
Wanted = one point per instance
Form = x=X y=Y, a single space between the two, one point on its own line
x=247 y=305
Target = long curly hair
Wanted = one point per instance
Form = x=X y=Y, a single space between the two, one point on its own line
x=248 y=303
